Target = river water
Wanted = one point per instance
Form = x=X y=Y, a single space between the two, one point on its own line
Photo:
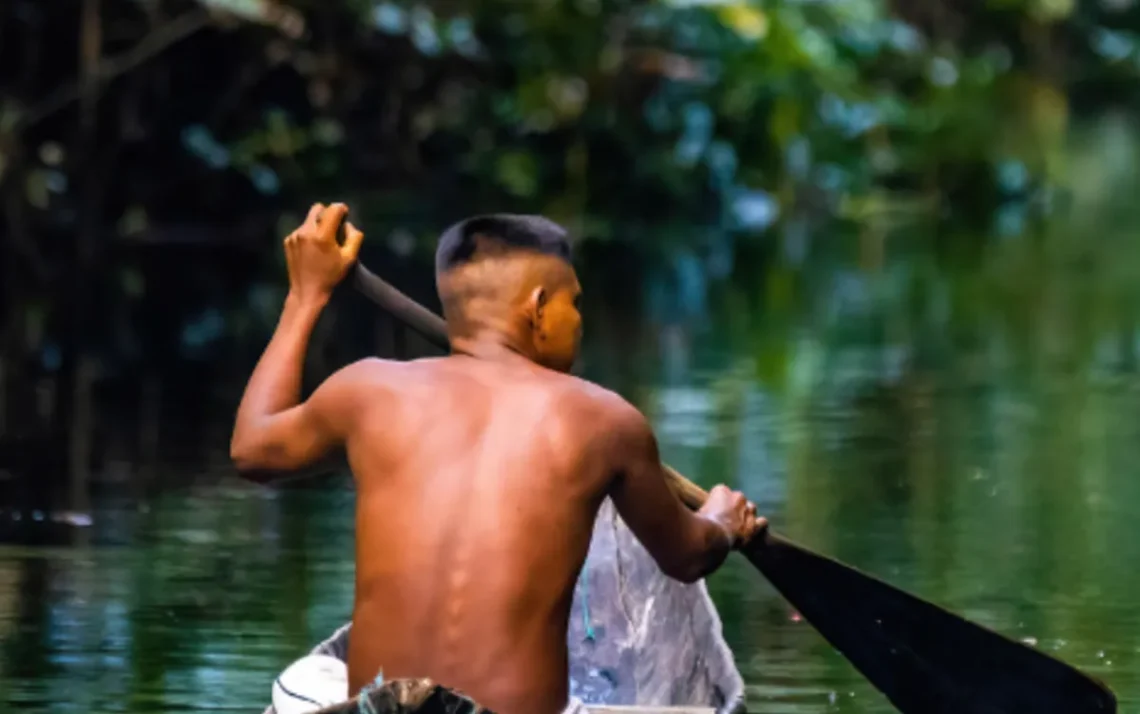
x=956 y=410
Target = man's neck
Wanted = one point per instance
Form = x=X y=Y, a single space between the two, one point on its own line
x=491 y=347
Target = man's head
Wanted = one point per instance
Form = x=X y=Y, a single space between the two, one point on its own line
x=509 y=278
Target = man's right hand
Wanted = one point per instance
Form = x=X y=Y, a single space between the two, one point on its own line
x=735 y=513
x=315 y=260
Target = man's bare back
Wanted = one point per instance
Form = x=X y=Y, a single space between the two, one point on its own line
x=477 y=492
x=479 y=477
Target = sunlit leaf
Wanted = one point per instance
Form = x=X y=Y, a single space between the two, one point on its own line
x=1053 y=10
x=268 y=12
x=745 y=19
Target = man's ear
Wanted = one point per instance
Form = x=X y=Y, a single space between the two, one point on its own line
x=537 y=304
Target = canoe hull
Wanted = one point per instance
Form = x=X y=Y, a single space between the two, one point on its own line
x=423 y=697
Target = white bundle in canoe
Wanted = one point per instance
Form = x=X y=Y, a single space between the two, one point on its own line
x=636 y=638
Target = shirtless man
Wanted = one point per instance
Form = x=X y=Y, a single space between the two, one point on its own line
x=479 y=475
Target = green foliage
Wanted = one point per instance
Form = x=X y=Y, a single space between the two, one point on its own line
x=670 y=124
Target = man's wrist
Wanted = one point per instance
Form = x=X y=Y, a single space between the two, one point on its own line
x=306 y=302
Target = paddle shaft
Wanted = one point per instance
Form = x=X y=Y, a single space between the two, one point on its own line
x=925 y=659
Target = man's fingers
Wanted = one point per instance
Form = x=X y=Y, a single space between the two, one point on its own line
x=331 y=219
x=314 y=215
x=353 y=237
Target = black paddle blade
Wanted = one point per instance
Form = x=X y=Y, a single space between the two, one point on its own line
x=923 y=658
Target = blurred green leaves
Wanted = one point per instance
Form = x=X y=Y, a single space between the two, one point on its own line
x=655 y=123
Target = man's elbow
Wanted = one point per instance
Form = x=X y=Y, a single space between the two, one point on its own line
x=241 y=458
x=686 y=571
x=267 y=460
x=248 y=458
x=687 y=576
x=242 y=464
x=705 y=553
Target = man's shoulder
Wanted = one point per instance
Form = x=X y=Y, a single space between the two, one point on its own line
x=605 y=408
x=380 y=370
x=372 y=376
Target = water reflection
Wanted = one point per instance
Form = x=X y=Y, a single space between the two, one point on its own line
x=214 y=589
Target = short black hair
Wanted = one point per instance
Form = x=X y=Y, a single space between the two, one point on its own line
x=536 y=233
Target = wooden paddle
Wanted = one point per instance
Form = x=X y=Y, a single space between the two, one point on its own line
x=925 y=659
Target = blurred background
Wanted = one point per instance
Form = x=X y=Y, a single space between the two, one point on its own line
x=875 y=263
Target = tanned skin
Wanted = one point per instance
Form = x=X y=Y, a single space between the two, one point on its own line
x=479 y=475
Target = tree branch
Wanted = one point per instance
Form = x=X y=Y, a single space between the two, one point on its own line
x=153 y=44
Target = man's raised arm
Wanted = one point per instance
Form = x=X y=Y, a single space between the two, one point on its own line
x=686 y=545
x=273 y=431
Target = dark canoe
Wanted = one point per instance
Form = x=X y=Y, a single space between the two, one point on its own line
x=636 y=639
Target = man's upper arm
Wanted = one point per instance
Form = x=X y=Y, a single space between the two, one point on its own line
x=672 y=535
x=305 y=433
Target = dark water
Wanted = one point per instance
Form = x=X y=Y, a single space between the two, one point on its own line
x=957 y=412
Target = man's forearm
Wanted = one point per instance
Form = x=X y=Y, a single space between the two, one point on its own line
x=717 y=542
x=707 y=544
x=276 y=381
